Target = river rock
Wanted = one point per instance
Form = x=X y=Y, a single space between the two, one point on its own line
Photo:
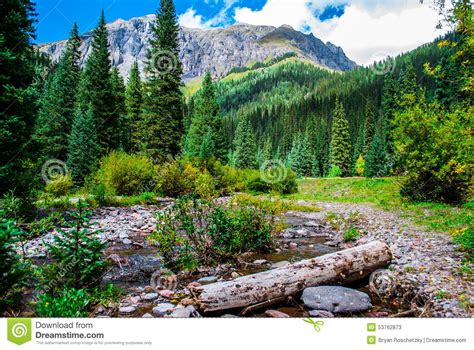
x=127 y=309
x=163 y=309
x=276 y=314
x=321 y=314
x=280 y=264
x=166 y=293
x=336 y=299
x=185 y=312
x=127 y=241
x=150 y=296
x=234 y=275
x=147 y=315
x=260 y=262
x=208 y=280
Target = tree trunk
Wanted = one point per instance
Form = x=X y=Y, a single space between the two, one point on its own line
x=337 y=268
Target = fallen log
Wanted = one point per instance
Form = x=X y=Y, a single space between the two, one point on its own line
x=337 y=268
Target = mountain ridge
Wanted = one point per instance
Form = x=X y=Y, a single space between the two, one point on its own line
x=217 y=50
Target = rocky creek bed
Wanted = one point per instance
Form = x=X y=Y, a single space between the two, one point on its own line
x=424 y=264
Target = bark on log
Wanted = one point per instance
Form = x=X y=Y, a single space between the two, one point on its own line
x=337 y=268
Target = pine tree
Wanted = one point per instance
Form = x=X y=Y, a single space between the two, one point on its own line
x=83 y=149
x=369 y=128
x=134 y=103
x=300 y=158
x=390 y=105
x=161 y=128
x=17 y=96
x=207 y=119
x=340 y=148
x=118 y=105
x=377 y=161
x=58 y=101
x=245 y=148
x=95 y=90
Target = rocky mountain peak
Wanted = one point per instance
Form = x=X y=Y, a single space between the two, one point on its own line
x=217 y=50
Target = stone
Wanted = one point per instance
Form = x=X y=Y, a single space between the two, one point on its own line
x=163 y=309
x=150 y=296
x=234 y=275
x=260 y=262
x=276 y=314
x=147 y=315
x=185 y=312
x=336 y=299
x=166 y=293
x=321 y=314
x=280 y=264
x=135 y=300
x=207 y=280
x=127 y=309
x=127 y=241
x=293 y=245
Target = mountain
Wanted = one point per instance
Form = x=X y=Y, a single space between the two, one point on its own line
x=217 y=50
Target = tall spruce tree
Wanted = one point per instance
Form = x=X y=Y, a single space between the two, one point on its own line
x=95 y=90
x=340 y=148
x=377 y=162
x=207 y=120
x=134 y=103
x=300 y=158
x=83 y=149
x=17 y=96
x=369 y=128
x=161 y=128
x=244 y=142
x=57 y=104
x=118 y=105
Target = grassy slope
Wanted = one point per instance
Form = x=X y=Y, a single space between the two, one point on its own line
x=384 y=193
x=194 y=85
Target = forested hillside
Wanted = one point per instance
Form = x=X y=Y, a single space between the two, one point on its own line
x=291 y=104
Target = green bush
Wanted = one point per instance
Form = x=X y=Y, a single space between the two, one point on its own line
x=44 y=225
x=59 y=186
x=195 y=232
x=205 y=186
x=286 y=185
x=435 y=148
x=12 y=270
x=464 y=237
x=335 y=171
x=69 y=302
x=125 y=174
x=176 y=178
x=351 y=234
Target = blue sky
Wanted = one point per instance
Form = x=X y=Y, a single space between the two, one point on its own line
x=365 y=29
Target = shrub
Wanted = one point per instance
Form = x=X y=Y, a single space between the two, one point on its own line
x=335 y=171
x=195 y=232
x=287 y=185
x=359 y=167
x=76 y=256
x=69 y=302
x=12 y=269
x=176 y=178
x=126 y=174
x=44 y=225
x=59 y=186
x=351 y=234
x=464 y=237
x=228 y=179
x=435 y=148
x=205 y=186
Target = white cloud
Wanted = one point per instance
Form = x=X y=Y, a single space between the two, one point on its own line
x=191 y=19
x=367 y=27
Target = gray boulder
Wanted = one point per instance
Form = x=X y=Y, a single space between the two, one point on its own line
x=336 y=299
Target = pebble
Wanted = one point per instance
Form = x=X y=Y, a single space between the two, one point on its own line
x=207 y=280
x=166 y=293
x=163 y=309
x=127 y=309
x=276 y=314
x=336 y=299
x=280 y=264
x=150 y=296
x=234 y=275
x=260 y=262
x=321 y=314
x=147 y=315
x=127 y=241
